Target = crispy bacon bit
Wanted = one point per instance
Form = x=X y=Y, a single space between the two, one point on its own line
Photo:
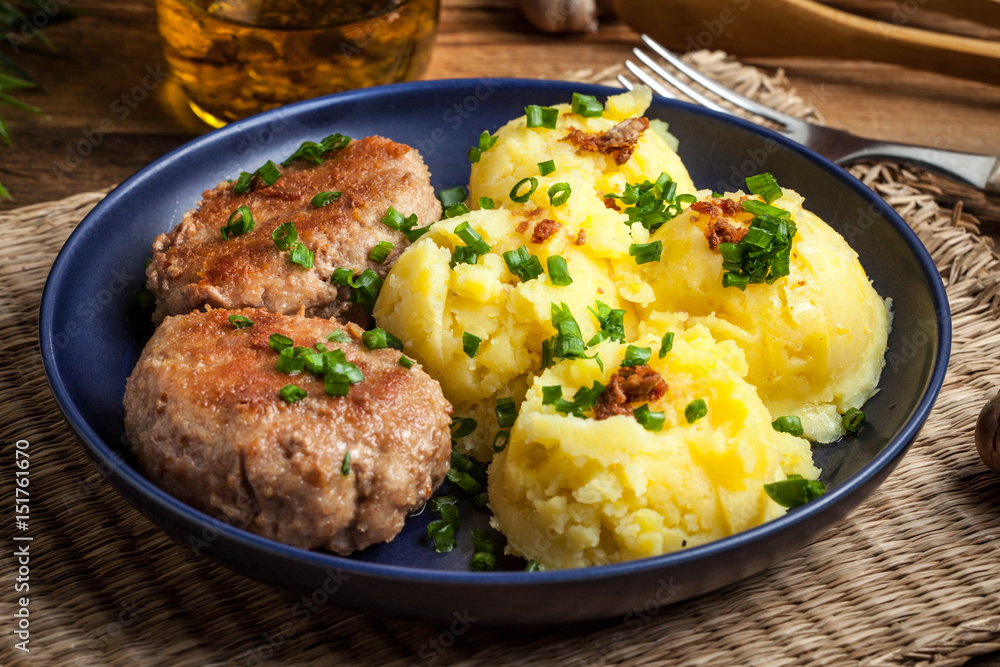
x=521 y=226
x=618 y=142
x=722 y=231
x=611 y=203
x=717 y=208
x=581 y=237
x=544 y=229
x=629 y=384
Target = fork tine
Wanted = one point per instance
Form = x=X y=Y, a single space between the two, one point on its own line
x=677 y=83
x=626 y=84
x=657 y=87
x=722 y=91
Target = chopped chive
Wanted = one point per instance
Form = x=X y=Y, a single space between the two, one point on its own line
x=666 y=343
x=537 y=116
x=339 y=374
x=289 y=363
x=364 y=287
x=853 y=420
x=546 y=168
x=648 y=419
x=464 y=481
x=463 y=254
x=472 y=238
x=551 y=394
x=487 y=203
x=522 y=198
x=500 y=441
x=324 y=198
x=338 y=335
x=240 y=222
x=695 y=410
x=481 y=500
x=345 y=465
x=279 y=342
x=285 y=235
x=506 y=411
x=442 y=534
x=522 y=264
x=765 y=186
x=144 y=298
x=587 y=106
x=313 y=152
x=268 y=173
x=242 y=184
x=559 y=194
x=453 y=196
x=470 y=344
x=463 y=426
x=301 y=255
x=455 y=210
x=646 y=252
x=486 y=142
x=291 y=393
x=381 y=251
x=393 y=219
x=380 y=339
x=636 y=356
x=240 y=321
x=794 y=491
x=405 y=361
x=558 y=271
x=532 y=566
x=612 y=321
x=482 y=540
x=482 y=562
x=788 y=424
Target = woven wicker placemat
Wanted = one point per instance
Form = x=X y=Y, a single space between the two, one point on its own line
x=911 y=578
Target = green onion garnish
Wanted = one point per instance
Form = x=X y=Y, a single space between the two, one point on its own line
x=472 y=238
x=487 y=203
x=481 y=500
x=587 y=106
x=486 y=142
x=290 y=393
x=541 y=116
x=453 y=196
x=612 y=321
x=405 y=361
x=568 y=341
x=289 y=363
x=464 y=481
x=240 y=321
x=393 y=219
x=408 y=225
x=763 y=255
x=285 y=235
x=636 y=356
x=380 y=339
x=551 y=394
x=648 y=419
x=765 y=186
x=301 y=255
x=313 y=152
x=345 y=465
x=463 y=426
x=532 y=566
x=652 y=204
x=546 y=168
x=500 y=441
x=240 y=222
x=853 y=420
x=364 y=287
x=442 y=534
x=339 y=373
x=666 y=343
x=760 y=208
x=558 y=271
x=279 y=342
x=455 y=210
x=463 y=254
x=559 y=194
x=268 y=173
x=521 y=198
x=647 y=252
x=483 y=559
x=482 y=540
x=242 y=184
x=324 y=198
x=695 y=410
x=794 y=491
x=381 y=251
x=339 y=336
x=470 y=344
x=788 y=424
x=583 y=400
x=506 y=411
x=524 y=266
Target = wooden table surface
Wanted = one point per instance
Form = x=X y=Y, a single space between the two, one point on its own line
x=102 y=125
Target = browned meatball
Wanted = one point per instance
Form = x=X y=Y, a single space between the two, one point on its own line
x=208 y=425
x=194 y=266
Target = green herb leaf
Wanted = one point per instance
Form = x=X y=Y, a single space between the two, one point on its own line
x=541 y=116
x=240 y=321
x=324 y=198
x=646 y=252
x=587 y=106
x=852 y=421
x=279 y=342
x=695 y=410
x=405 y=361
x=339 y=336
x=487 y=203
x=285 y=235
x=500 y=441
x=559 y=194
x=470 y=344
x=636 y=356
x=291 y=393
x=453 y=196
x=240 y=222
x=301 y=255
x=788 y=424
x=516 y=194
x=765 y=186
x=612 y=322
x=521 y=264
x=380 y=339
x=648 y=419
x=345 y=466
x=666 y=343
x=546 y=168
x=381 y=251
x=794 y=491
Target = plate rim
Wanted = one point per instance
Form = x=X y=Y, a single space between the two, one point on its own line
x=95 y=447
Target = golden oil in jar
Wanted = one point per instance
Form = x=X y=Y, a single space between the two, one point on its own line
x=234 y=58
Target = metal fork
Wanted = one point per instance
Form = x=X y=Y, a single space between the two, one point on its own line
x=981 y=171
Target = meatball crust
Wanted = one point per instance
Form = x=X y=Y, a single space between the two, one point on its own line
x=194 y=267
x=207 y=425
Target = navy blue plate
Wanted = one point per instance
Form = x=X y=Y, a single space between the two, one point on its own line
x=91 y=336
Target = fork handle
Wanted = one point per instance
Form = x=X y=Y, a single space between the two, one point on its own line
x=982 y=171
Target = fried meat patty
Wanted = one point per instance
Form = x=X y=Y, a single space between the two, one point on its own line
x=207 y=425
x=194 y=266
